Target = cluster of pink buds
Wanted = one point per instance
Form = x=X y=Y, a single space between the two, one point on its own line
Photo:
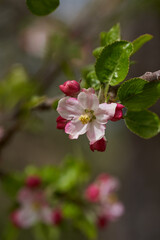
x=102 y=192
x=33 y=206
x=80 y=113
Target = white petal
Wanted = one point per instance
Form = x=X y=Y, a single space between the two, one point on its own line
x=75 y=128
x=69 y=108
x=46 y=214
x=27 y=217
x=88 y=100
x=105 y=112
x=95 y=131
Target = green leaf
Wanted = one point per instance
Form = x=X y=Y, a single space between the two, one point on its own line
x=137 y=94
x=97 y=51
x=140 y=41
x=10 y=232
x=144 y=123
x=16 y=87
x=42 y=7
x=113 y=63
x=111 y=36
x=92 y=80
x=11 y=184
x=87 y=226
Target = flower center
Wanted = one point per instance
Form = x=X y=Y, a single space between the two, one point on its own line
x=87 y=117
x=112 y=198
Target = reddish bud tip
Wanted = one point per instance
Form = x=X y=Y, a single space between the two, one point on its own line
x=118 y=113
x=33 y=181
x=14 y=219
x=99 y=145
x=61 y=122
x=57 y=216
x=92 y=193
x=70 y=88
x=102 y=221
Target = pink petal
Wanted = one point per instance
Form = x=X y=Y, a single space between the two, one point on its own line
x=69 y=108
x=88 y=90
x=75 y=128
x=95 y=131
x=114 y=211
x=88 y=100
x=105 y=112
x=25 y=196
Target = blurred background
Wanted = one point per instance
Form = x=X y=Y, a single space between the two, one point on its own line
x=40 y=44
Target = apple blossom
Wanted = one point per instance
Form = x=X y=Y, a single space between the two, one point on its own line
x=85 y=115
x=33 y=208
x=102 y=191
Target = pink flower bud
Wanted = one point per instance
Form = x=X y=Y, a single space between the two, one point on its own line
x=118 y=113
x=33 y=181
x=61 y=122
x=92 y=193
x=99 y=145
x=103 y=177
x=15 y=219
x=70 y=88
x=102 y=221
x=57 y=217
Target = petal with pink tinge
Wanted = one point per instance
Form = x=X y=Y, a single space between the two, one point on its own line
x=95 y=131
x=75 y=128
x=105 y=112
x=88 y=101
x=69 y=108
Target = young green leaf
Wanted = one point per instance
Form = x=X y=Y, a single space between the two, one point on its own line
x=42 y=7
x=111 y=36
x=138 y=94
x=144 y=123
x=113 y=63
x=140 y=41
x=92 y=80
x=97 y=51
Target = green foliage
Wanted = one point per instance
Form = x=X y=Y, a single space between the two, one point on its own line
x=108 y=38
x=113 y=35
x=42 y=7
x=97 y=51
x=11 y=183
x=140 y=41
x=87 y=226
x=138 y=94
x=10 y=232
x=113 y=63
x=92 y=80
x=15 y=88
x=143 y=123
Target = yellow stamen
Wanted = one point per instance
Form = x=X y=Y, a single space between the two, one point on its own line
x=112 y=198
x=85 y=118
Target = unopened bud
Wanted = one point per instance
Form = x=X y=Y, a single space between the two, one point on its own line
x=57 y=217
x=118 y=113
x=33 y=181
x=15 y=219
x=61 y=122
x=70 y=88
x=99 y=145
x=102 y=221
x=92 y=193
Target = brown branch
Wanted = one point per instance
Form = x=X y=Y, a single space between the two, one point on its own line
x=151 y=76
